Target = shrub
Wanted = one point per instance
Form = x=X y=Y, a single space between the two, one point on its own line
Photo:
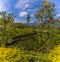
x=10 y=55
x=54 y=55
x=16 y=55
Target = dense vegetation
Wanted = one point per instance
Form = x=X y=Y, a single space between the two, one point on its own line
x=34 y=42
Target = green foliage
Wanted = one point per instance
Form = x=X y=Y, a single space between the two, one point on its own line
x=36 y=40
x=20 y=25
x=28 y=44
x=17 y=55
x=28 y=18
x=46 y=13
x=6 y=23
x=54 y=55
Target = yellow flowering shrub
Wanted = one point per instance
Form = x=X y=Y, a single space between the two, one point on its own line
x=10 y=55
x=54 y=55
x=17 y=55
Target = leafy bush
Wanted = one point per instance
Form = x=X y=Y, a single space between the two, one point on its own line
x=54 y=55
x=16 y=55
x=10 y=55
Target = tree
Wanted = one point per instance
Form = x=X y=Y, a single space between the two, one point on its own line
x=6 y=23
x=46 y=13
x=45 y=16
x=28 y=19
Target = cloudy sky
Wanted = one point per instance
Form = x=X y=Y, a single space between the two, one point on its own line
x=23 y=7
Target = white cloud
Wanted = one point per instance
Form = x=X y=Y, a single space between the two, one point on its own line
x=22 y=13
x=21 y=4
x=58 y=15
x=26 y=6
x=2 y=7
x=3 y=4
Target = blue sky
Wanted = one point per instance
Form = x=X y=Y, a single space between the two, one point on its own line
x=23 y=7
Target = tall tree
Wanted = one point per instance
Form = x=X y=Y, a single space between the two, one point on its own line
x=45 y=16
x=46 y=12
x=6 y=22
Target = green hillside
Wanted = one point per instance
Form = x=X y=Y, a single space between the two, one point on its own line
x=31 y=42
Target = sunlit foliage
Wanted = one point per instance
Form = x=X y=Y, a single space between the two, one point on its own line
x=54 y=55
